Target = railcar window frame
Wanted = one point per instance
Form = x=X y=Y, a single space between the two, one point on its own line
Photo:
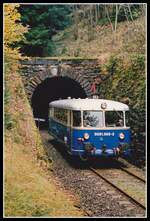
x=51 y=112
x=72 y=121
x=101 y=119
x=60 y=120
x=127 y=118
x=113 y=126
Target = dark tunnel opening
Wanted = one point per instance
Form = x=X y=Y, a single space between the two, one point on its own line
x=53 y=89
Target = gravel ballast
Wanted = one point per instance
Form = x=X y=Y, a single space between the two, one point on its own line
x=97 y=198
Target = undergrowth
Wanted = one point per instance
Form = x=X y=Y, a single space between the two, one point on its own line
x=29 y=186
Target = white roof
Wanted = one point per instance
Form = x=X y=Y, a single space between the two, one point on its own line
x=88 y=104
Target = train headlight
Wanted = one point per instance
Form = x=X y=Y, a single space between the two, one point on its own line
x=103 y=105
x=86 y=136
x=121 y=136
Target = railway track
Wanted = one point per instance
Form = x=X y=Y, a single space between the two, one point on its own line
x=126 y=182
x=133 y=174
x=100 y=199
x=131 y=169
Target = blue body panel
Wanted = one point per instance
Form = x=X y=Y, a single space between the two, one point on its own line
x=98 y=138
x=60 y=131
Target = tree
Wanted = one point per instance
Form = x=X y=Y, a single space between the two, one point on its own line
x=13 y=30
x=44 y=22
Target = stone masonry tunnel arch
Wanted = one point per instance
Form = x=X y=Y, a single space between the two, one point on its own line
x=51 y=89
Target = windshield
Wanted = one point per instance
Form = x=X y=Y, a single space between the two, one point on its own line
x=92 y=119
x=114 y=119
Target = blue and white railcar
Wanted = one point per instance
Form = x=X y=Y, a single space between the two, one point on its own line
x=91 y=127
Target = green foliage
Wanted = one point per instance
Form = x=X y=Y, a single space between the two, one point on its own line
x=17 y=139
x=103 y=21
x=7 y=97
x=19 y=91
x=8 y=121
x=128 y=80
x=123 y=14
x=50 y=49
x=44 y=21
x=113 y=62
x=134 y=9
x=138 y=62
x=128 y=85
x=64 y=50
x=22 y=203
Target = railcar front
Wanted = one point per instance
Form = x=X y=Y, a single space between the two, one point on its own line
x=92 y=127
x=100 y=133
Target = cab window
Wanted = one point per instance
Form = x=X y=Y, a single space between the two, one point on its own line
x=93 y=119
x=114 y=119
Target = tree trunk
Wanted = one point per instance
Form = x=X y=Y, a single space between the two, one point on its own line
x=96 y=15
x=107 y=13
x=130 y=12
x=116 y=18
x=90 y=24
x=76 y=23
x=125 y=11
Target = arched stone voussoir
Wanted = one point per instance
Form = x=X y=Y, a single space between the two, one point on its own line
x=41 y=76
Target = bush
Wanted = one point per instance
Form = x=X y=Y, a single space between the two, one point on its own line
x=51 y=49
x=128 y=83
x=8 y=121
x=7 y=117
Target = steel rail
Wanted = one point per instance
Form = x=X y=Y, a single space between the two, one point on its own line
x=116 y=187
x=133 y=174
x=129 y=172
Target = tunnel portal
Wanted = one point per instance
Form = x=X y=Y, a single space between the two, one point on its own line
x=51 y=89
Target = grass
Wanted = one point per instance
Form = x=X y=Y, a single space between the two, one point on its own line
x=30 y=189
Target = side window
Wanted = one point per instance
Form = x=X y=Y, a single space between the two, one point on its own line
x=64 y=116
x=127 y=117
x=61 y=115
x=51 y=112
x=56 y=113
x=76 y=118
